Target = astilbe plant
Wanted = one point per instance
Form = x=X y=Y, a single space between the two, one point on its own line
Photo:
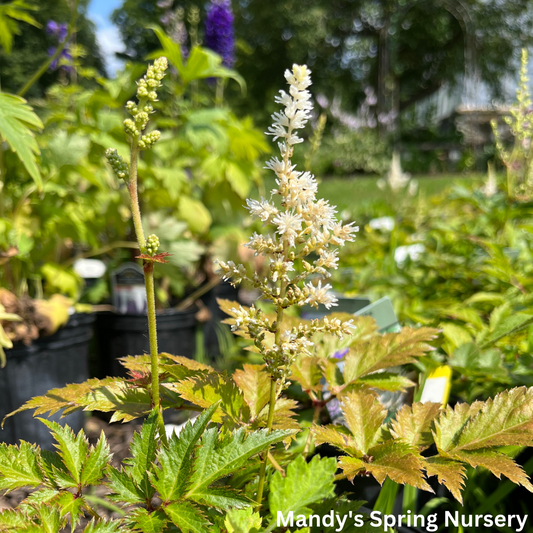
x=518 y=160
x=247 y=439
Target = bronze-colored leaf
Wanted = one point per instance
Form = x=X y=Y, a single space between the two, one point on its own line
x=385 y=351
x=254 y=383
x=413 y=424
x=450 y=473
x=364 y=416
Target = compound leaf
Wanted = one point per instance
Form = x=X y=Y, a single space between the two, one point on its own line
x=176 y=459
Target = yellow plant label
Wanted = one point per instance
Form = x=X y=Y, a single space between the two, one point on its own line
x=437 y=386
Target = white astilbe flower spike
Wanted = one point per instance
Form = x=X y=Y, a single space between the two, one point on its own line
x=303 y=225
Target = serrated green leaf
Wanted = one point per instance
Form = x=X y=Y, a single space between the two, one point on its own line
x=413 y=424
x=17 y=120
x=149 y=522
x=19 y=466
x=242 y=520
x=97 y=460
x=187 y=517
x=143 y=449
x=72 y=449
x=55 y=470
x=123 y=487
x=71 y=505
x=176 y=459
x=221 y=498
x=303 y=485
x=219 y=458
x=13 y=520
x=40 y=497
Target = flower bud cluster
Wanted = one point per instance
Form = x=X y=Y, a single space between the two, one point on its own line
x=237 y=273
x=152 y=244
x=146 y=93
x=119 y=166
x=148 y=140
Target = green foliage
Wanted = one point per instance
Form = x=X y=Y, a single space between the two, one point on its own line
x=303 y=485
x=10 y=15
x=258 y=426
x=17 y=121
x=466 y=435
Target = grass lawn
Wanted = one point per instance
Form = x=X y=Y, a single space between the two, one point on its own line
x=356 y=194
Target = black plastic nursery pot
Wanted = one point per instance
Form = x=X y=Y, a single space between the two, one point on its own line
x=122 y=335
x=48 y=363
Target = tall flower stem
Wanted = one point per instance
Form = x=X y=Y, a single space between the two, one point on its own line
x=273 y=397
x=148 y=269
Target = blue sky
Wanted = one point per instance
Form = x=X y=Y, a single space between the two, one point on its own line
x=107 y=33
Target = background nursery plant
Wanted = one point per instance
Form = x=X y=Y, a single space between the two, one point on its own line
x=245 y=460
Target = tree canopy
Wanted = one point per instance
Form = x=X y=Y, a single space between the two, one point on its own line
x=353 y=44
x=30 y=48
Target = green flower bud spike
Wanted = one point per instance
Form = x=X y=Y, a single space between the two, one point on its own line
x=119 y=166
x=140 y=115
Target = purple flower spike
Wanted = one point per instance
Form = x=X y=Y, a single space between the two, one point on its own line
x=341 y=353
x=219 y=32
x=60 y=31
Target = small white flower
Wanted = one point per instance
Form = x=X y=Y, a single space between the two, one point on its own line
x=320 y=295
x=289 y=226
x=263 y=210
x=342 y=234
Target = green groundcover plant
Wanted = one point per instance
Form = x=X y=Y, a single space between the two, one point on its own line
x=245 y=461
